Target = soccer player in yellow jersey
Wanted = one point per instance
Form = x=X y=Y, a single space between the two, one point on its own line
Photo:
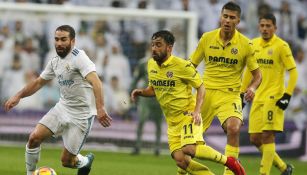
x=272 y=98
x=171 y=80
x=226 y=52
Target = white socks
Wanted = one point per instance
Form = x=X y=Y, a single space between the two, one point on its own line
x=82 y=161
x=32 y=157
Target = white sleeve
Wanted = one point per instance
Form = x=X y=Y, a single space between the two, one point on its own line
x=48 y=72
x=84 y=64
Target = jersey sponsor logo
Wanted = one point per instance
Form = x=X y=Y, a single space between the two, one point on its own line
x=75 y=52
x=188 y=137
x=66 y=82
x=265 y=61
x=168 y=83
x=214 y=47
x=153 y=71
x=270 y=52
x=234 y=51
x=169 y=74
x=223 y=60
x=63 y=82
x=284 y=101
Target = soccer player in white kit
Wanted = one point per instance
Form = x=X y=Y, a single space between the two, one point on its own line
x=72 y=117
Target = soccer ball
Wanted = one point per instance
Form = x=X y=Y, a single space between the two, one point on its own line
x=44 y=171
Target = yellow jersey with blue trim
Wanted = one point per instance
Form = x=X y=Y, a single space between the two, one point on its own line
x=274 y=58
x=224 y=64
x=172 y=83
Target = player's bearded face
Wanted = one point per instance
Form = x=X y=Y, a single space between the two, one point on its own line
x=159 y=50
x=229 y=20
x=159 y=56
x=63 y=43
x=266 y=28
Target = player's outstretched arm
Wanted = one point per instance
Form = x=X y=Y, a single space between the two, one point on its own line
x=28 y=90
x=147 y=92
x=284 y=101
x=102 y=116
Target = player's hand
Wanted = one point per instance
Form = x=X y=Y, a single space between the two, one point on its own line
x=284 y=101
x=104 y=118
x=249 y=94
x=196 y=118
x=10 y=103
x=135 y=93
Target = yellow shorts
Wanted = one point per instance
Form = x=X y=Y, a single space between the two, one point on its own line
x=222 y=104
x=266 y=117
x=184 y=133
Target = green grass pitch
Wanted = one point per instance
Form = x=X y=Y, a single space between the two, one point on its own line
x=12 y=163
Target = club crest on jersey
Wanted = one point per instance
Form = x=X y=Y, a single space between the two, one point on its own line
x=234 y=51
x=169 y=74
x=67 y=67
x=270 y=52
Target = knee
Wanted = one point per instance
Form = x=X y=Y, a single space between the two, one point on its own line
x=189 y=150
x=268 y=137
x=34 y=140
x=182 y=163
x=233 y=129
x=255 y=141
x=181 y=160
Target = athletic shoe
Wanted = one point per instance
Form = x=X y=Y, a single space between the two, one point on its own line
x=288 y=170
x=234 y=165
x=87 y=168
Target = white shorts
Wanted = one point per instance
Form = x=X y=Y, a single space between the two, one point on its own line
x=73 y=135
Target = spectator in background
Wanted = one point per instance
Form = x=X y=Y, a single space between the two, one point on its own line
x=298 y=106
x=287 y=22
x=139 y=28
x=19 y=35
x=117 y=65
x=101 y=54
x=85 y=41
x=30 y=58
x=147 y=108
x=4 y=56
x=121 y=99
x=15 y=72
x=207 y=13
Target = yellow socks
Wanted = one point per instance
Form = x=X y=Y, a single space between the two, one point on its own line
x=277 y=161
x=233 y=152
x=181 y=171
x=267 y=158
x=196 y=168
x=208 y=153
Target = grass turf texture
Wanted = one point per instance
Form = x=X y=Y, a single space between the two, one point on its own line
x=12 y=163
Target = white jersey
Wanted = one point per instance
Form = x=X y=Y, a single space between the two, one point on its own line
x=76 y=94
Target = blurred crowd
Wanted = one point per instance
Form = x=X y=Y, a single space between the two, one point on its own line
x=117 y=46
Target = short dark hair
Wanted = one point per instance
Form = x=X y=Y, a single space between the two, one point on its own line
x=166 y=35
x=69 y=29
x=269 y=16
x=233 y=7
